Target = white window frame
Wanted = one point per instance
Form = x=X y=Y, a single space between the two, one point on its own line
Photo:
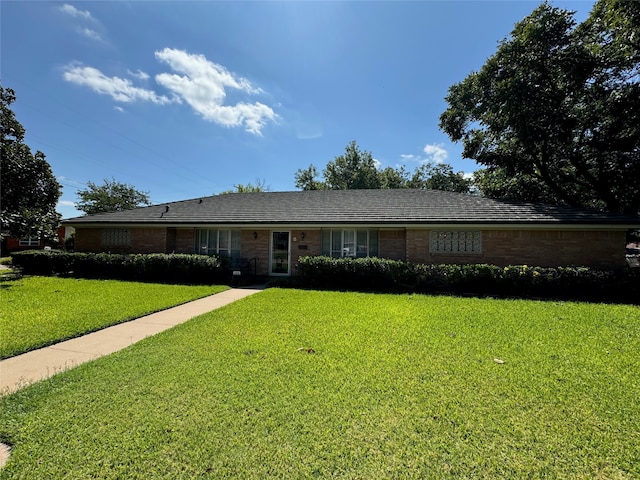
x=349 y=243
x=222 y=242
x=29 y=242
x=465 y=242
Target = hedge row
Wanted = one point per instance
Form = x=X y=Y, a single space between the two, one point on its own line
x=156 y=267
x=381 y=275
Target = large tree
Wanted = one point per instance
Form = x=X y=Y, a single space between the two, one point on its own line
x=555 y=112
x=439 y=176
x=357 y=169
x=29 y=191
x=111 y=196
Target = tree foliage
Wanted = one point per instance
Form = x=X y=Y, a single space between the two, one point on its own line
x=111 y=196
x=554 y=114
x=259 y=186
x=357 y=169
x=30 y=191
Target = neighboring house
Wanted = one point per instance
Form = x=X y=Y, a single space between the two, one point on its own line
x=15 y=244
x=420 y=226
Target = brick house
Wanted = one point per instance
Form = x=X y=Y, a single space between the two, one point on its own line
x=274 y=229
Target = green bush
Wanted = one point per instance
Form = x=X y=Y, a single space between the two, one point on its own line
x=375 y=274
x=167 y=268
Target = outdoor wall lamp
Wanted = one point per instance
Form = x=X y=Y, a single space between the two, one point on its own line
x=302 y=235
x=255 y=235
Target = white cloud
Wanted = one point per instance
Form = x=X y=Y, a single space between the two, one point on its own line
x=409 y=157
x=199 y=82
x=86 y=25
x=66 y=203
x=74 y=12
x=436 y=153
x=119 y=109
x=120 y=89
x=139 y=74
x=89 y=33
x=203 y=86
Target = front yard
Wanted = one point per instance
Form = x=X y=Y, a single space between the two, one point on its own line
x=303 y=384
x=39 y=311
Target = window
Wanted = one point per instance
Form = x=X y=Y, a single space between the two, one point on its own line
x=350 y=243
x=218 y=242
x=30 y=242
x=116 y=237
x=455 y=242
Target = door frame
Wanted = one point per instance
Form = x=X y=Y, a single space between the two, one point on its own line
x=288 y=272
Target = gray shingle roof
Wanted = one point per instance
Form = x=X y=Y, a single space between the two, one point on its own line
x=392 y=207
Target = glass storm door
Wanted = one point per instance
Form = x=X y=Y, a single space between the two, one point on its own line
x=280 y=258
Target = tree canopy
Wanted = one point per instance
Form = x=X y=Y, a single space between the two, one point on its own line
x=111 y=196
x=357 y=169
x=259 y=186
x=554 y=114
x=30 y=191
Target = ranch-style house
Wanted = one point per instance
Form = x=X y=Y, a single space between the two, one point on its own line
x=271 y=230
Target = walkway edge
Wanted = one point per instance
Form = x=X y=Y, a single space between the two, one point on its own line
x=22 y=370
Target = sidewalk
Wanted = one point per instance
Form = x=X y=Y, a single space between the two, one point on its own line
x=22 y=370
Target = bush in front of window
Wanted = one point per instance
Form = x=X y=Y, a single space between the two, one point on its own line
x=165 y=268
x=522 y=281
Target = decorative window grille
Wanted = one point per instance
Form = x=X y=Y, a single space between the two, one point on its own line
x=350 y=243
x=116 y=237
x=455 y=242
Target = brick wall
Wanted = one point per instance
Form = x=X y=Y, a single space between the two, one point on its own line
x=600 y=249
x=393 y=244
x=259 y=247
x=149 y=240
x=309 y=246
x=544 y=248
x=256 y=248
x=88 y=240
x=143 y=240
x=185 y=240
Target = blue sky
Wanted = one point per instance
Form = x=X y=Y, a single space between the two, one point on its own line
x=187 y=99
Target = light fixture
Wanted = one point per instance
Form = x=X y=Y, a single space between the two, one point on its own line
x=302 y=235
x=255 y=235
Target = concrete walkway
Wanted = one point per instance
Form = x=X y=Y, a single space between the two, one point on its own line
x=22 y=370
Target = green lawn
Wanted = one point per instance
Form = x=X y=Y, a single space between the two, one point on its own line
x=302 y=384
x=39 y=311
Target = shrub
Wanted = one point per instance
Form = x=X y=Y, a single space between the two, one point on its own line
x=375 y=274
x=168 y=268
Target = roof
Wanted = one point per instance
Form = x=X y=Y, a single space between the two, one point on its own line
x=373 y=207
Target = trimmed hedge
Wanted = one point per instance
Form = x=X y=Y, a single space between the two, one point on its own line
x=381 y=275
x=155 y=267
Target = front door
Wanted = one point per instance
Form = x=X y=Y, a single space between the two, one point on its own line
x=280 y=255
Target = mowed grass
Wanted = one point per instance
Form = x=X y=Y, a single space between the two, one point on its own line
x=40 y=311
x=300 y=384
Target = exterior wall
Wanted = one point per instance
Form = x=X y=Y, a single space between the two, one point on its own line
x=544 y=248
x=148 y=240
x=393 y=244
x=88 y=240
x=185 y=240
x=257 y=248
x=143 y=240
x=599 y=249
x=309 y=246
